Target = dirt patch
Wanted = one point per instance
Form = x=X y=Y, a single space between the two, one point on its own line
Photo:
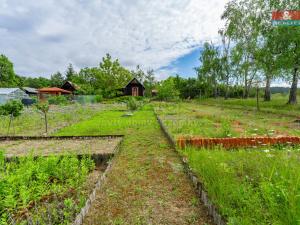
x=59 y=146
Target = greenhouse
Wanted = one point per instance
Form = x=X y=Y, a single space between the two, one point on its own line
x=7 y=94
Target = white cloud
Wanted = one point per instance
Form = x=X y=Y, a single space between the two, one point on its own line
x=42 y=37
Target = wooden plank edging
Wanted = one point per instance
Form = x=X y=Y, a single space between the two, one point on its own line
x=212 y=210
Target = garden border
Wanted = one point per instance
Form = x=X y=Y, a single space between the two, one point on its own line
x=229 y=143
x=197 y=183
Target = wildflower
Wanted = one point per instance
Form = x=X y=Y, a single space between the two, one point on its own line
x=266 y=150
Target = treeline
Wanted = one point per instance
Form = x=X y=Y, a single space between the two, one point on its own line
x=253 y=51
x=105 y=79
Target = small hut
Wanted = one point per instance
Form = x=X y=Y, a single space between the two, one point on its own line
x=134 y=88
x=69 y=86
x=44 y=93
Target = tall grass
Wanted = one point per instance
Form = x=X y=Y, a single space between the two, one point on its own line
x=251 y=187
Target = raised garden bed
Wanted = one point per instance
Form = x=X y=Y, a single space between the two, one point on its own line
x=55 y=178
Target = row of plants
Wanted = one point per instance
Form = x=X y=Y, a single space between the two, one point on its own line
x=42 y=190
x=251 y=187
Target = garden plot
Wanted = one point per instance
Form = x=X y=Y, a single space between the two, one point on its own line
x=193 y=119
x=59 y=146
x=53 y=189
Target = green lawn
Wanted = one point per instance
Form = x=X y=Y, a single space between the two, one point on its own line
x=277 y=105
x=251 y=186
x=197 y=119
x=31 y=122
x=147 y=184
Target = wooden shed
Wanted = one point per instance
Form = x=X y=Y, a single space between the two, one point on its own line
x=69 y=86
x=43 y=93
x=134 y=88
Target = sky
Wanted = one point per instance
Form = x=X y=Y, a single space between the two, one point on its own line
x=42 y=37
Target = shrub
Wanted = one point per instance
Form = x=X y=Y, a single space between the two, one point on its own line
x=12 y=108
x=98 y=98
x=132 y=104
x=58 y=100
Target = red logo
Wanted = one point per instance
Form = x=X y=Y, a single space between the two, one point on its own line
x=286 y=15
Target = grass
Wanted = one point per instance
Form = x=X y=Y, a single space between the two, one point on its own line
x=196 y=119
x=42 y=190
x=31 y=122
x=147 y=184
x=277 y=105
x=251 y=187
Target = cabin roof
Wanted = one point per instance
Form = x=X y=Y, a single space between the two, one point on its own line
x=6 y=91
x=133 y=80
x=54 y=89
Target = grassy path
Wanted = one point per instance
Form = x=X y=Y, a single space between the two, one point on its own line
x=147 y=184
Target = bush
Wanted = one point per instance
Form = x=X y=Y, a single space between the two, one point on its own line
x=13 y=107
x=58 y=100
x=132 y=104
x=98 y=98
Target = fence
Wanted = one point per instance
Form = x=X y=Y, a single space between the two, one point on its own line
x=228 y=143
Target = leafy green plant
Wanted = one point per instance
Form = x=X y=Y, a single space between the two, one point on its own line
x=58 y=100
x=31 y=180
x=98 y=98
x=132 y=104
x=12 y=108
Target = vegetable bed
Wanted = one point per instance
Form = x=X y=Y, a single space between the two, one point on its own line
x=45 y=190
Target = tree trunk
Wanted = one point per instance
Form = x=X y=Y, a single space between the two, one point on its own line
x=293 y=90
x=226 y=88
x=267 y=96
x=46 y=123
x=245 y=94
x=10 y=121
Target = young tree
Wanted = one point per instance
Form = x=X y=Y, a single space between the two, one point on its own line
x=12 y=108
x=43 y=107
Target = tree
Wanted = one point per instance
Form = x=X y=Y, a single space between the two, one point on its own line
x=211 y=67
x=12 y=108
x=167 y=90
x=43 y=107
x=149 y=82
x=70 y=73
x=57 y=79
x=7 y=74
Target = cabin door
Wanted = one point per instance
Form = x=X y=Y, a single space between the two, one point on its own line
x=135 y=91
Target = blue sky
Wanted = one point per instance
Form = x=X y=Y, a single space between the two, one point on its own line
x=184 y=65
x=42 y=38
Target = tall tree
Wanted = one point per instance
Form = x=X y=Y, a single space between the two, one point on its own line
x=70 y=73
x=211 y=68
x=149 y=82
x=57 y=79
x=7 y=74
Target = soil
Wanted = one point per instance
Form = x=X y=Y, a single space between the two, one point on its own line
x=63 y=146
